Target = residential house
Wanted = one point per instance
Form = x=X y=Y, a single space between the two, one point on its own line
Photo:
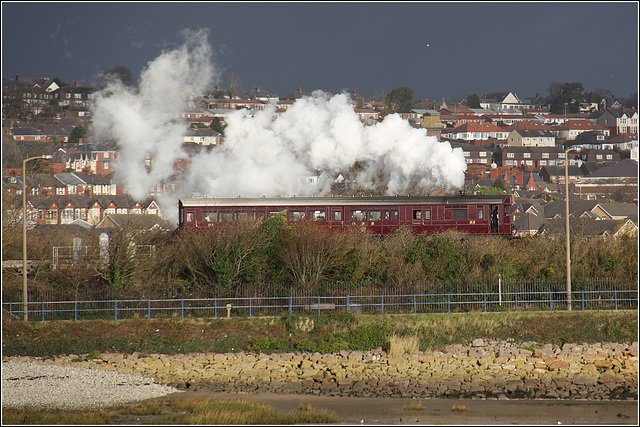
x=619 y=181
x=77 y=94
x=295 y=95
x=137 y=222
x=412 y=116
x=617 y=120
x=551 y=119
x=528 y=158
x=531 y=138
x=528 y=224
x=29 y=134
x=495 y=100
x=94 y=157
x=32 y=94
x=203 y=136
x=44 y=185
x=476 y=131
x=367 y=115
x=505 y=120
x=474 y=154
x=556 y=174
x=262 y=95
x=572 y=128
x=600 y=156
x=56 y=133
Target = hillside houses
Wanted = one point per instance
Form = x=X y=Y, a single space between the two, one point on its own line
x=516 y=139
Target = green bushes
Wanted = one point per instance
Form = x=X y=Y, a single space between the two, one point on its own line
x=304 y=258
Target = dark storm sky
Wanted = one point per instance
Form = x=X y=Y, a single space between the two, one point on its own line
x=370 y=47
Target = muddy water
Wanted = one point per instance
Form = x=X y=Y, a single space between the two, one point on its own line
x=385 y=411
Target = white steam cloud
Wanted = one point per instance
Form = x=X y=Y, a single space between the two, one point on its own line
x=262 y=155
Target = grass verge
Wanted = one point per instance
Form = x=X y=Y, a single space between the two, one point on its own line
x=326 y=333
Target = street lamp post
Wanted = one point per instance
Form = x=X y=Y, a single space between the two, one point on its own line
x=566 y=197
x=25 y=300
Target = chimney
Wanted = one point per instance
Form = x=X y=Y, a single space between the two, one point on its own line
x=299 y=90
x=17 y=77
x=612 y=95
x=538 y=95
x=46 y=80
x=75 y=83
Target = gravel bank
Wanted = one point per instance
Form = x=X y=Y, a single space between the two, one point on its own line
x=26 y=384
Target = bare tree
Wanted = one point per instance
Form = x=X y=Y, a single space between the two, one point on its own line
x=234 y=85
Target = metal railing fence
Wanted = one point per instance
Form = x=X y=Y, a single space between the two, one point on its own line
x=118 y=309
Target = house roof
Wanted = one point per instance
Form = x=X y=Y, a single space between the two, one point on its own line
x=528 y=222
x=625 y=169
x=535 y=133
x=559 y=170
x=145 y=222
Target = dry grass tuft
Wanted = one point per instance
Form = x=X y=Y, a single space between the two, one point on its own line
x=459 y=408
x=401 y=345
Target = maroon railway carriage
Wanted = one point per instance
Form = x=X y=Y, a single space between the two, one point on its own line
x=380 y=215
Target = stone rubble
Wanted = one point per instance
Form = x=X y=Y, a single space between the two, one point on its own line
x=485 y=369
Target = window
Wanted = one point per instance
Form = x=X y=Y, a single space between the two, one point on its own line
x=510 y=155
x=483 y=154
x=545 y=155
x=358 y=215
x=527 y=155
x=480 y=212
x=209 y=216
x=336 y=215
x=392 y=215
x=226 y=216
x=317 y=215
x=297 y=215
x=189 y=216
x=374 y=215
x=417 y=214
x=427 y=214
x=529 y=162
x=609 y=156
x=509 y=162
x=543 y=163
x=599 y=156
x=561 y=155
x=460 y=213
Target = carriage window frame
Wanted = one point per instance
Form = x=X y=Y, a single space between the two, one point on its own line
x=358 y=215
x=318 y=215
x=417 y=215
x=226 y=216
x=210 y=216
x=480 y=212
x=297 y=215
x=374 y=215
x=189 y=217
x=460 y=214
x=336 y=215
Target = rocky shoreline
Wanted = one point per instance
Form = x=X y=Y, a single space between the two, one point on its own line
x=484 y=370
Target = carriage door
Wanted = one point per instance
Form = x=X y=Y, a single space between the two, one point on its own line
x=336 y=218
x=493 y=218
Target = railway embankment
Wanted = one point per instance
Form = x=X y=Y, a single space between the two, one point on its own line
x=484 y=369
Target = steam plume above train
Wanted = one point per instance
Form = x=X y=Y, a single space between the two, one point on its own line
x=262 y=155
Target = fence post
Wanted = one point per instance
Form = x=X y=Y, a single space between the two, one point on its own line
x=516 y=298
x=348 y=304
x=382 y=304
x=582 y=292
x=116 y=308
x=415 y=309
x=550 y=300
x=290 y=304
x=318 y=306
x=215 y=307
x=182 y=307
x=448 y=302
x=249 y=306
x=615 y=297
x=149 y=309
x=75 y=310
x=43 y=311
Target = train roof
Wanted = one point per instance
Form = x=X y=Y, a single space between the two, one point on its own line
x=345 y=200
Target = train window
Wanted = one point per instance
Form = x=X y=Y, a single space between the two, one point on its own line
x=275 y=213
x=460 y=214
x=507 y=210
x=427 y=214
x=358 y=215
x=374 y=215
x=336 y=215
x=394 y=215
x=480 y=212
x=226 y=216
x=189 y=216
x=243 y=216
x=317 y=215
x=209 y=216
x=417 y=214
x=297 y=215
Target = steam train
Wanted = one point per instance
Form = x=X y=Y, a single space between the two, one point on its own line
x=379 y=215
